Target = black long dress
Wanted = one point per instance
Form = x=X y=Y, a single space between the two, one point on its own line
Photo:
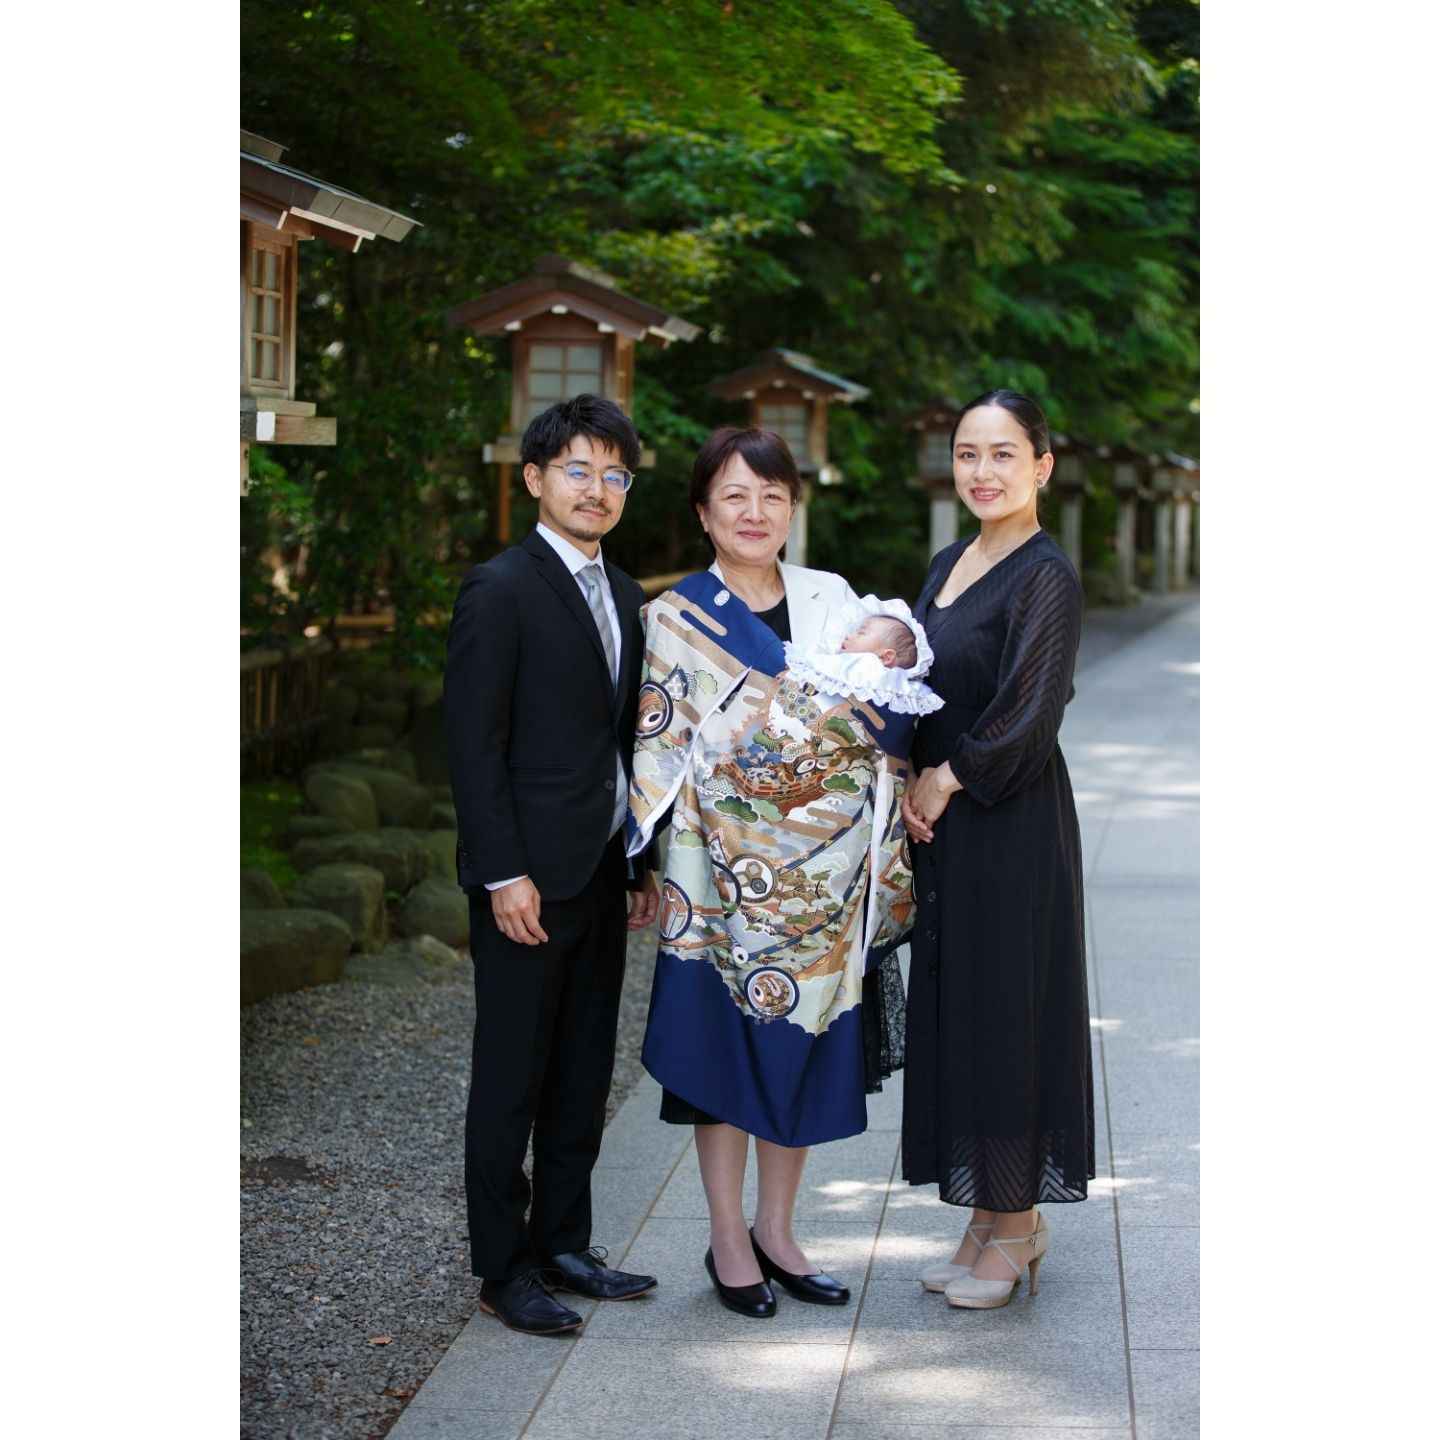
x=998 y=1097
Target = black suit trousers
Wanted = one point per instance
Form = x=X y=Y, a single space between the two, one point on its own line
x=545 y=1019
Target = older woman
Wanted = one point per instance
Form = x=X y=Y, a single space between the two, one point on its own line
x=786 y=884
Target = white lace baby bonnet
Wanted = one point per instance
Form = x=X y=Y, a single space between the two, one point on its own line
x=827 y=667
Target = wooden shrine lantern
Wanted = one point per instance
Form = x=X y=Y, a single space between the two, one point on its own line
x=934 y=470
x=790 y=395
x=575 y=334
x=279 y=207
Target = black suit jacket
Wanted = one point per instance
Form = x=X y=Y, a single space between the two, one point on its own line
x=532 y=722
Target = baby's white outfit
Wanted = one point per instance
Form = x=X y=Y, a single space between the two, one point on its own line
x=841 y=672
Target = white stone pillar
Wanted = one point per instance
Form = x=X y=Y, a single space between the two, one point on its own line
x=1070 y=503
x=1125 y=545
x=1160 y=577
x=797 y=545
x=944 y=521
x=1182 y=543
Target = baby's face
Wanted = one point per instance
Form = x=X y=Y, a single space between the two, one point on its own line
x=864 y=638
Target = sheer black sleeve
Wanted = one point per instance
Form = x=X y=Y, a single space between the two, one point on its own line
x=1008 y=746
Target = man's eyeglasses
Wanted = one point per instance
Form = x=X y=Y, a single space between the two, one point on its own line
x=616 y=477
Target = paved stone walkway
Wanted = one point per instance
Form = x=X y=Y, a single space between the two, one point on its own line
x=1108 y=1349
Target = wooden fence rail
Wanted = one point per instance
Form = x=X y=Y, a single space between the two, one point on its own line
x=282 y=706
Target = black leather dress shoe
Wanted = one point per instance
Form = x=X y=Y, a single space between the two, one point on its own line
x=821 y=1289
x=756 y=1301
x=525 y=1304
x=582 y=1273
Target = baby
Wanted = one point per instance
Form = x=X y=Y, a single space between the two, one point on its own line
x=883 y=635
x=880 y=655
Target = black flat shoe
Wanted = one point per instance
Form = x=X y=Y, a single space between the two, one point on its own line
x=821 y=1289
x=582 y=1273
x=524 y=1304
x=756 y=1301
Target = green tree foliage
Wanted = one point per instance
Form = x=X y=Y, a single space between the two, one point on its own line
x=929 y=198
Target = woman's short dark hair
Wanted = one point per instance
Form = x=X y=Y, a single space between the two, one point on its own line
x=1029 y=416
x=593 y=416
x=762 y=450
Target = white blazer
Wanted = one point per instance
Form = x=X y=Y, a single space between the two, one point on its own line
x=811 y=595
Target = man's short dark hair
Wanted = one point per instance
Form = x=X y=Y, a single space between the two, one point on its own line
x=598 y=419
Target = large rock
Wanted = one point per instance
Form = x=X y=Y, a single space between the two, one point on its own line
x=397 y=801
x=383 y=684
x=342 y=797
x=405 y=964
x=402 y=759
x=429 y=691
x=354 y=892
x=384 y=712
x=402 y=802
x=341 y=703
x=283 y=950
x=427 y=740
x=401 y=856
x=358 y=737
x=396 y=758
x=258 y=890
x=437 y=952
x=437 y=907
x=442 y=846
x=312 y=827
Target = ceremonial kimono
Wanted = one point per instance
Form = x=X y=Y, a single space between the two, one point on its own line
x=787 y=874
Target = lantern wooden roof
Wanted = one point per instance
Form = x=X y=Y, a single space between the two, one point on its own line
x=933 y=416
x=559 y=287
x=298 y=204
x=778 y=368
x=1127 y=454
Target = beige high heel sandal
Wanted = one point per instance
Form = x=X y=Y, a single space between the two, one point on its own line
x=937 y=1277
x=969 y=1293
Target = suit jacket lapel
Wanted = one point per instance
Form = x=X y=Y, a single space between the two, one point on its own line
x=630 y=636
x=567 y=587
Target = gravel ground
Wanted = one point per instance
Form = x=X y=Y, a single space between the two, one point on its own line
x=355 y=1273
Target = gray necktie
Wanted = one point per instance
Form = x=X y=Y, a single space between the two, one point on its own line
x=592 y=577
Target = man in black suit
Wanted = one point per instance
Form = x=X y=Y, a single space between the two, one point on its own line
x=541 y=685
